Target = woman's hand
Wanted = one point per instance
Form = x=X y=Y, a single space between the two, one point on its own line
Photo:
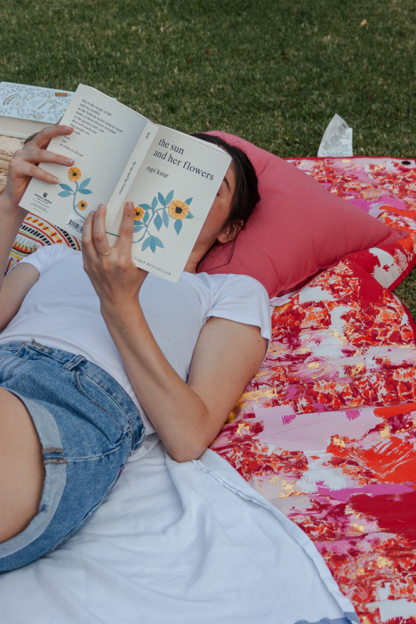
x=22 y=168
x=115 y=277
x=24 y=164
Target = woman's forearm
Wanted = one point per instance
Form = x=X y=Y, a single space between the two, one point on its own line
x=11 y=218
x=178 y=414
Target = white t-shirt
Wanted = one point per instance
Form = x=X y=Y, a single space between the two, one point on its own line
x=62 y=310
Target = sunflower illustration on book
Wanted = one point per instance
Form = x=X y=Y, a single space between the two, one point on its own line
x=74 y=174
x=158 y=214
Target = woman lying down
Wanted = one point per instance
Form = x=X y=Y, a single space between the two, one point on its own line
x=94 y=352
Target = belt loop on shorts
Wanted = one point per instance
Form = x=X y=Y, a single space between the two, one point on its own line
x=53 y=455
x=37 y=345
x=73 y=362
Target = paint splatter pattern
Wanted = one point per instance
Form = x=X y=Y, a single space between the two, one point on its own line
x=326 y=430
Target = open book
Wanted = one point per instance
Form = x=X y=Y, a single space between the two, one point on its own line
x=119 y=155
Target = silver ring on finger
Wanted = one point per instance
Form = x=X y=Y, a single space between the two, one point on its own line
x=106 y=254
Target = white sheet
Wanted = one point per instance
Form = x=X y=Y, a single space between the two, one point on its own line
x=187 y=543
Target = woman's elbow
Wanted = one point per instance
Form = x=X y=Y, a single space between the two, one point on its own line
x=190 y=451
x=182 y=456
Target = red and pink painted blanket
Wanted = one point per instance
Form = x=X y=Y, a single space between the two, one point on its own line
x=326 y=430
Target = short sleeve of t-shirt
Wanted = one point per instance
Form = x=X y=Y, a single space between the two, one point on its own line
x=44 y=256
x=242 y=299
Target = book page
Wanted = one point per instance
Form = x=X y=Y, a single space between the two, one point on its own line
x=120 y=194
x=105 y=134
x=173 y=193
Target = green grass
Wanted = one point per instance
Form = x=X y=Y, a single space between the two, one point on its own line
x=272 y=71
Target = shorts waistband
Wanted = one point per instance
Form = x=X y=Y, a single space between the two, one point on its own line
x=70 y=361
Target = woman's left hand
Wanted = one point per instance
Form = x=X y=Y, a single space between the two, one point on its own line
x=115 y=277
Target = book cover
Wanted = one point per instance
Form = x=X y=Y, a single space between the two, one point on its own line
x=173 y=191
x=25 y=108
x=119 y=155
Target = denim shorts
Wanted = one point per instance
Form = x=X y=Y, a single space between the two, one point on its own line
x=87 y=425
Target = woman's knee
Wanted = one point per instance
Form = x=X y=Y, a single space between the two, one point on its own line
x=22 y=471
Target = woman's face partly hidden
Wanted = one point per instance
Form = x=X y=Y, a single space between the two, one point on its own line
x=213 y=228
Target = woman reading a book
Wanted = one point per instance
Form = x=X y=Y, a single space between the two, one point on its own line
x=95 y=354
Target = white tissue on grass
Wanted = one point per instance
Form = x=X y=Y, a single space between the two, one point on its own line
x=337 y=139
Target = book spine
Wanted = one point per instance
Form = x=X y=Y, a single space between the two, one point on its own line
x=120 y=194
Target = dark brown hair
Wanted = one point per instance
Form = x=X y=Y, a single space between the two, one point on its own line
x=246 y=194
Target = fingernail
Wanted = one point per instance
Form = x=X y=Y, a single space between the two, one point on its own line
x=56 y=180
x=101 y=206
x=69 y=161
x=92 y=212
x=67 y=128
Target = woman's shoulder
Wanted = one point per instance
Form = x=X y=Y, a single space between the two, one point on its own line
x=50 y=254
x=53 y=251
x=237 y=298
x=232 y=291
x=229 y=282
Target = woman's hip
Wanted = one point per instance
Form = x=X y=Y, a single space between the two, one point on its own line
x=87 y=426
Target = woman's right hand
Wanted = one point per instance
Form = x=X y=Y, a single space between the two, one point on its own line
x=24 y=164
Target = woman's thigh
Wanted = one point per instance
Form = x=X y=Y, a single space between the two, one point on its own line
x=87 y=426
x=22 y=472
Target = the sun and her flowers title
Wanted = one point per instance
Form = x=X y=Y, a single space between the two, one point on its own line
x=168 y=156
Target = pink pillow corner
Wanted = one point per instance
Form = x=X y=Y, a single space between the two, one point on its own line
x=296 y=230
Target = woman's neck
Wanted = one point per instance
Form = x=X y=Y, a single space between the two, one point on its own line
x=197 y=253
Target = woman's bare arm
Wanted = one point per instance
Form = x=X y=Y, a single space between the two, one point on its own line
x=15 y=287
x=23 y=166
x=187 y=416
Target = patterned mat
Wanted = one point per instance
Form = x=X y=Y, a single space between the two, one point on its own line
x=326 y=430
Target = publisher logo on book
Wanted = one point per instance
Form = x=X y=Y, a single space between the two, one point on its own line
x=43 y=197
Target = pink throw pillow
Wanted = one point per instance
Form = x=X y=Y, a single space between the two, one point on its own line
x=296 y=230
